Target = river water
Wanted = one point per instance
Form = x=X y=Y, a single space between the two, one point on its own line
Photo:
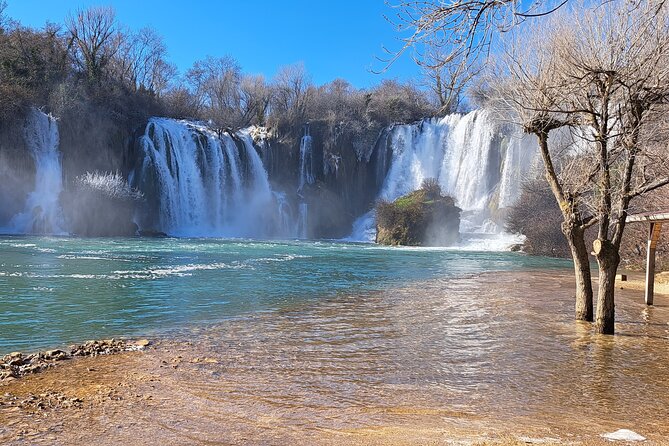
x=487 y=356
x=56 y=291
x=325 y=343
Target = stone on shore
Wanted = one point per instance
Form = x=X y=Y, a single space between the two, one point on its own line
x=623 y=435
x=17 y=364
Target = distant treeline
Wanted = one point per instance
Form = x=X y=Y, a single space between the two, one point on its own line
x=91 y=62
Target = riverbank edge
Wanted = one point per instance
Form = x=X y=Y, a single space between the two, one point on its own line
x=16 y=365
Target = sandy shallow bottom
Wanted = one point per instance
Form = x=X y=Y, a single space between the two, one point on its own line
x=493 y=359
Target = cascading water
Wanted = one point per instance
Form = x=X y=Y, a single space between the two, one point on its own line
x=285 y=224
x=200 y=183
x=306 y=177
x=42 y=213
x=306 y=160
x=476 y=159
x=204 y=184
x=302 y=222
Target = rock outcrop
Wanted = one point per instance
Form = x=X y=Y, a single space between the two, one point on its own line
x=424 y=217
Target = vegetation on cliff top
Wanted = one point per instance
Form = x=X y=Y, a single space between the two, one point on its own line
x=93 y=63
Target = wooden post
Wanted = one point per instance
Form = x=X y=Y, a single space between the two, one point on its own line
x=653 y=236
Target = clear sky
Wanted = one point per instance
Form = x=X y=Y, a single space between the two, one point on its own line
x=333 y=38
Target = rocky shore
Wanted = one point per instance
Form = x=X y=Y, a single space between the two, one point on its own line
x=18 y=364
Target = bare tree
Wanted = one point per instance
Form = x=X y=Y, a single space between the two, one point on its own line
x=255 y=99
x=448 y=38
x=94 y=39
x=603 y=74
x=525 y=83
x=393 y=102
x=163 y=74
x=33 y=63
x=454 y=28
x=292 y=92
x=181 y=102
x=215 y=83
x=447 y=82
x=140 y=61
x=338 y=102
x=3 y=16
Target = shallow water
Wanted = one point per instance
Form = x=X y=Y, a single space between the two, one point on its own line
x=438 y=361
x=55 y=291
x=493 y=355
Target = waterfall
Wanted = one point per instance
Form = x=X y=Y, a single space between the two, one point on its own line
x=284 y=225
x=198 y=182
x=306 y=177
x=476 y=159
x=306 y=160
x=42 y=213
x=204 y=184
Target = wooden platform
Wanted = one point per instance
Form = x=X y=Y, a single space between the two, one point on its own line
x=655 y=221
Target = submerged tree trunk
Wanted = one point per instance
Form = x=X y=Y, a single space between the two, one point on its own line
x=571 y=226
x=579 y=253
x=608 y=259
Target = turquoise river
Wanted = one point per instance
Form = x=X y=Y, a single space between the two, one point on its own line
x=56 y=291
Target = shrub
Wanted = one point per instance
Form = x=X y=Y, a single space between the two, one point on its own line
x=431 y=188
x=109 y=184
x=537 y=216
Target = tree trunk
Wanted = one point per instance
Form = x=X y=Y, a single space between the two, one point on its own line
x=608 y=259
x=579 y=253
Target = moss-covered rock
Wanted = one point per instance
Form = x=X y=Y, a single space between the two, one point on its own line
x=424 y=217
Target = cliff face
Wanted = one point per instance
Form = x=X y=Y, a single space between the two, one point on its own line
x=95 y=142
x=349 y=165
x=17 y=170
x=421 y=218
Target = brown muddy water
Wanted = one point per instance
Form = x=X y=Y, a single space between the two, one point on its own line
x=485 y=359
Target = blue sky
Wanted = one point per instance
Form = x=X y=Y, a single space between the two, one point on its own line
x=337 y=38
